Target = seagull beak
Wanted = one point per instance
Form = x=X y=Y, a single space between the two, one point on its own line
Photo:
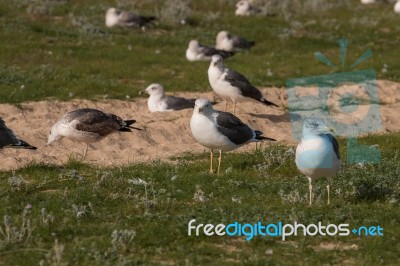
x=201 y=109
x=142 y=92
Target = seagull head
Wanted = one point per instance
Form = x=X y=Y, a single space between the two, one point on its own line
x=243 y=5
x=217 y=61
x=112 y=17
x=154 y=89
x=203 y=106
x=194 y=45
x=53 y=136
x=222 y=35
x=315 y=127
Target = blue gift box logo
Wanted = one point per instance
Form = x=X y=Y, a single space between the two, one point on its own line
x=348 y=101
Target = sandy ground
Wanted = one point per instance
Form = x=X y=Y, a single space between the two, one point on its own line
x=164 y=134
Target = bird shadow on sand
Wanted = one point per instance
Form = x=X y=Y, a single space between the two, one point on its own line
x=285 y=117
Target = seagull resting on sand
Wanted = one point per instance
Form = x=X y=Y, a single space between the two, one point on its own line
x=228 y=42
x=317 y=154
x=88 y=126
x=231 y=85
x=9 y=140
x=159 y=102
x=220 y=130
x=198 y=52
x=115 y=17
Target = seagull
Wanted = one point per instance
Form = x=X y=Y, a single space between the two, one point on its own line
x=115 y=17
x=9 y=140
x=88 y=126
x=229 y=84
x=159 y=102
x=221 y=131
x=397 y=7
x=198 y=52
x=245 y=8
x=317 y=154
x=228 y=42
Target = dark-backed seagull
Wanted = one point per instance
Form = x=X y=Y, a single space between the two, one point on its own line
x=220 y=130
x=228 y=42
x=115 y=17
x=88 y=126
x=198 y=52
x=9 y=140
x=317 y=154
x=231 y=85
x=245 y=8
x=159 y=102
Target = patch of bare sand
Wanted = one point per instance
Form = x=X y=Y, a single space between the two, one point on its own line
x=164 y=135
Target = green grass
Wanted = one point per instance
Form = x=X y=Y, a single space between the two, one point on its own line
x=69 y=53
x=81 y=206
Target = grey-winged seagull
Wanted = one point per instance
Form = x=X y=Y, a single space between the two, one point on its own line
x=245 y=8
x=9 y=140
x=231 y=85
x=159 y=102
x=115 y=17
x=317 y=154
x=228 y=42
x=198 y=52
x=88 y=126
x=221 y=131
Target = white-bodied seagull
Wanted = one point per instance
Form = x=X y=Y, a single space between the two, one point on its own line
x=231 y=85
x=115 y=17
x=159 y=102
x=317 y=154
x=220 y=130
x=228 y=42
x=198 y=52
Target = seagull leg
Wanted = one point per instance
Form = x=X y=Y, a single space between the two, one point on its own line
x=211 y=161
x=219 y=161
x=328 y=188
x=85 y=152
x=310 y=188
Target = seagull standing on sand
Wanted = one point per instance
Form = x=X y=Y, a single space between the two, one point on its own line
x=231 y=85
x=220 y=130
x=198 y=52
x=115 y=17
x=317 y=154
x=159 y=102
x=88 y=126
x=245 y=8
x=228 y=42
x=9 y=140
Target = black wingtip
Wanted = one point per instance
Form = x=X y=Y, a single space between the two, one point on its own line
x=260 y=137
x=265 y=101
x=129 y=122
x=23 y=145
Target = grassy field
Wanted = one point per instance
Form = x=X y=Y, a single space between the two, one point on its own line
x=79 y=214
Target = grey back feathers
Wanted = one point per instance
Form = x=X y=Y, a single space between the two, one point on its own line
x=233 y=128
x=96 y=121
x=178 y=103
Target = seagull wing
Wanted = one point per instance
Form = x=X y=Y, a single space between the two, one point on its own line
x=233 y=128
x=239 y=81
x=178 y=103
